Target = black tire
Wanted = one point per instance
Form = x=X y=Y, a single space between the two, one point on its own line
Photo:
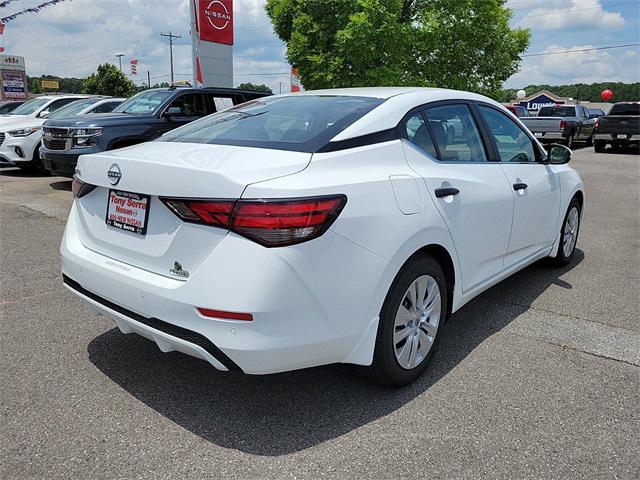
x=589 y=141
x=36 y=165
x=569 y=140
x=385 y=368
x=599 y=146
x=561 y=257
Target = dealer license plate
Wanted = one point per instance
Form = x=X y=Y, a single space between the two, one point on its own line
x=538 y=134
x=621 y=135
x=128 y=211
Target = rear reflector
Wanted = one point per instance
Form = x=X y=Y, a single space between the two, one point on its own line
x=207 y=312
x=269 y=222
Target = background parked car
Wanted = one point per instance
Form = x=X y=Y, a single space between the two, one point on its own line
x=9 y=106
x=22 y=137
x=141 y=118
x=564 y=123
x=620 y=128
x=517 y=110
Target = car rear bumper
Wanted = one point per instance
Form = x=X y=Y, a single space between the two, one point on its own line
x=549 y=136
x=62 y=164
x=613 y=137
x=304 y=313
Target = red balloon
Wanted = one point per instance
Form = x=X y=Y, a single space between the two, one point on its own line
x=606 y=95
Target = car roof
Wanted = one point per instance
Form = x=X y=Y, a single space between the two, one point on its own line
x=374 y=92
x=179 y=88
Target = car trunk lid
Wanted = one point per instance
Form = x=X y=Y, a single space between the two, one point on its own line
x=177 y=170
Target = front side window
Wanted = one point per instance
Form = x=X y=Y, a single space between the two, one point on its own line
x=74 y=108
x=456 y=134
x=144 y=103
x=298 y=122
x=105 y=107
x=58 y=104
x=512 y=143
x=417 y=133
x=190 y=104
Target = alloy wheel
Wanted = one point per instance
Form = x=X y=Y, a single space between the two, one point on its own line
x=570 y=231
x=416 y=322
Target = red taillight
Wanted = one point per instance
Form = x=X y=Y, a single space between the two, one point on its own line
x=272 y=223
x=563 y=124
x=597 y=125
x=79 y=188
x=208 y=312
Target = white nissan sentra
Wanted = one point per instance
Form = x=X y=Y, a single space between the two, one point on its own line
x=315 y=228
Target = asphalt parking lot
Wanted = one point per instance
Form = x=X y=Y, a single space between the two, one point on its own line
x=539 y=377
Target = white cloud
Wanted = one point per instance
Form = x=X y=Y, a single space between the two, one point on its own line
x=578 y=15
x=576 y=67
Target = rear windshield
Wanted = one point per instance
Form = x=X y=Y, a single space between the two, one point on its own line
x=557 y=112
x=625 y=109
x=301 y=123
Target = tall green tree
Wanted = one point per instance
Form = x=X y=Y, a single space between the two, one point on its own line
x=255 y=88
x=108 y=80
x=461 y=44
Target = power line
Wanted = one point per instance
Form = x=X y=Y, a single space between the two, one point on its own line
x=580 y=50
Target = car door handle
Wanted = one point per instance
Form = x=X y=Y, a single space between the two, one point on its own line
x=519 y=186
x=445 y=192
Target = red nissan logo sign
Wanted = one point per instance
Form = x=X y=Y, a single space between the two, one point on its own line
x=218 y=15
x=215 y=21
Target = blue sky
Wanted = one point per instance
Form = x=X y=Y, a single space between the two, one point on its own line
x=71 y=38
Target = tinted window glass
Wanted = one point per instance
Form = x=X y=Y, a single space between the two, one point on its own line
x=53 y=106
x=456 y=134
x=220 y=102
x=191 y=105
x=73 y=108
x=144 y=103
x=105 y=107
x=297 y=122
x=557 y=112
x=513 y=144
x=625 y=109
x=418 y=134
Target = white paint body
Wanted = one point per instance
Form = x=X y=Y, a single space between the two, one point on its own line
x=316 y=302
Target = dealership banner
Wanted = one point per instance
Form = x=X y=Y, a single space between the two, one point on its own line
x=13 y=77
x=134 y=67
x=216 y=21
x=295 y=80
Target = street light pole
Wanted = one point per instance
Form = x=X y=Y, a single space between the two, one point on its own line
x=120 y=55
x=170 y=36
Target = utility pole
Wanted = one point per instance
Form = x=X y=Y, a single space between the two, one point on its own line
x=120 y=55
x=170 y=36
x=149 y=78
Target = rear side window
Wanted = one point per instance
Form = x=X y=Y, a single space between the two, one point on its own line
x=298 y=122
x=625 y=109
x=456 y=134
x=417 y=133
x=512 y=143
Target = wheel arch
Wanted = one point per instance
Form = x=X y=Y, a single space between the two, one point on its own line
x=444 y=259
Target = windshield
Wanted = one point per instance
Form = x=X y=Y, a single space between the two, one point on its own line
x=557 y=112
x=73 y=108
x=29 y=107
x=625 y=109
x=299 y=122
x=144 y=103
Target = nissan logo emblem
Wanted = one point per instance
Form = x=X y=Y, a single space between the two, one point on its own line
x=114 y=174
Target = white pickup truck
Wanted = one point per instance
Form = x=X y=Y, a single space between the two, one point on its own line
x=562 y=123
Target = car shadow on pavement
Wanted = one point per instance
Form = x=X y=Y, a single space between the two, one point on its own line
x=64 y=185
x=20 y=172
x=285 y=413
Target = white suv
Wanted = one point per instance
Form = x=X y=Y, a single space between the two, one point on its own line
x=20 y=130
x=307 y=229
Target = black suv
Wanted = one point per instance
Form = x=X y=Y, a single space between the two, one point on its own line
x=141 y=118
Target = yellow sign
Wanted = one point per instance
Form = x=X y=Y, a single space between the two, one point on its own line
x=50 y=84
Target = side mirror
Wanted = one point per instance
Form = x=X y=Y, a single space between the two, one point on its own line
x=43 y=113
x=558 y=154
x=172 y=112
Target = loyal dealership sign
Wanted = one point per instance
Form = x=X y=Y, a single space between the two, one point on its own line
x=14 y=79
